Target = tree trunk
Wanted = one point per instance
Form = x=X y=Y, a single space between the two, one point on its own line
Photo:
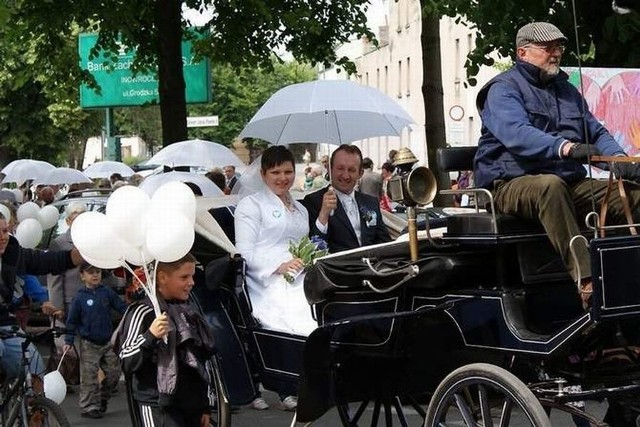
x=173 y=104
x=433 y=101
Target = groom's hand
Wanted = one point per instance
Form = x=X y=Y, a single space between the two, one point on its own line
x=329 y=204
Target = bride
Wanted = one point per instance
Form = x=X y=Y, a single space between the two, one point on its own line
x=265 y=222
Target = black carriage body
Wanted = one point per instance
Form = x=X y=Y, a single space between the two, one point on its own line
x=503 y=298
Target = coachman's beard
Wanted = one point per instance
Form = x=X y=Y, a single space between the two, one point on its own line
x=546 y=75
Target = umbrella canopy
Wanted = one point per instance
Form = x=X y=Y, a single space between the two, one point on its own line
x=22 y=170
x=106 y=168
x=196 y=152
x=326 y=111
x=63 y=176
x=207 y=187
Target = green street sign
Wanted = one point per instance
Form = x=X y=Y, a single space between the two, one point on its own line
x=120 y=87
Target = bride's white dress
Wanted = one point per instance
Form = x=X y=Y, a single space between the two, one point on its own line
x=264 y=228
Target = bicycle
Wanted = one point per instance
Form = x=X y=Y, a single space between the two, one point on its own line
x=20 y=405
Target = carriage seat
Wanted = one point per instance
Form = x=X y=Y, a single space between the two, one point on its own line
x=457 y=159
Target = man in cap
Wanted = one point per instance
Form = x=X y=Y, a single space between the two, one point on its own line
x=536 y=134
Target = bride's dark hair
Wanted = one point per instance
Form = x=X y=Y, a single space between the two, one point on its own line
x=275 y=156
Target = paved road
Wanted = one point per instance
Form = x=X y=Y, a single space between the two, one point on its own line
x=118 y=415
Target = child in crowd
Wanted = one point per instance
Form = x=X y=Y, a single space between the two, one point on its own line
x=90 y=318
x=166 y=358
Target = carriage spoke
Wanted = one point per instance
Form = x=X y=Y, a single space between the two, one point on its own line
x=416 y=406
x=398 y=405
x=376 y=414
x=387 y=415
x=465 y=410
x=359 y=412
x=505 y=416
x=485 y=409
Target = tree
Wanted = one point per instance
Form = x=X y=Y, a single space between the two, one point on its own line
x=605 y=39
x=238 y=92
x=239 y=33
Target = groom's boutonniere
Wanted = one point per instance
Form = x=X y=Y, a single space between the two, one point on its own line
x=370 y=217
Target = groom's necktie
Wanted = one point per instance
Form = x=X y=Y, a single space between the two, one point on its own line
x=351 y=208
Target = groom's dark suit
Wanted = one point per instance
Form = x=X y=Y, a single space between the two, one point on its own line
x=340 y=234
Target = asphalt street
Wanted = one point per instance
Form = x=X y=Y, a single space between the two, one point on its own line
x=117 y=414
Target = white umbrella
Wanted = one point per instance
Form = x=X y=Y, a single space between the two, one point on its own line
x=63 y=176
x=207 y=187
x=106 y=168
x=196 y=152
x=22 y=170
x=326 y=111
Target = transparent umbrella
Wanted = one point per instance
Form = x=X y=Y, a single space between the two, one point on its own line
x=63 y=176
x=106 y=168
x=326 y=111
x=206 y=186
x=22 y=170
x=196 y=152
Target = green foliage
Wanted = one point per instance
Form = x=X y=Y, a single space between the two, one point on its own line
x=238 y=92
x=605 y=39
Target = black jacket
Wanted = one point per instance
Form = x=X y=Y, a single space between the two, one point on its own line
x=18 y=260
x=163 y=374
x=340 y=234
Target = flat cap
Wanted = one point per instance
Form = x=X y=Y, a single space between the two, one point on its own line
x=538 y=32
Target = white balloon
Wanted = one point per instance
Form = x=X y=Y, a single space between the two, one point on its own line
x=29 y=233
x=94 y=237
x=137 y=255
x=28 y=210
x=169 y=236
x=55 y=387
x=175 y=197
x=125 y=208
x=103 y=263
x=48 y=216
x=6 y=212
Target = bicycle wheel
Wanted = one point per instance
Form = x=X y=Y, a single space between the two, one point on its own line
x=43 y=412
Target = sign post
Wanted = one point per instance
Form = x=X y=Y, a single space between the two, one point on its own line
x=119 y=86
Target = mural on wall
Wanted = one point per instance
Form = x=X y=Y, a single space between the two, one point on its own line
x=613 y=96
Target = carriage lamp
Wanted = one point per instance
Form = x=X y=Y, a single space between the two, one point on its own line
x=411 y=186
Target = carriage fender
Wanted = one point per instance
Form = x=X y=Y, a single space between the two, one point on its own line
x=315 y=396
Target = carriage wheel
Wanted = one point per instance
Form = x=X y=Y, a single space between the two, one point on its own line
x=221 y=416
x=486 y=395
x=406 y=410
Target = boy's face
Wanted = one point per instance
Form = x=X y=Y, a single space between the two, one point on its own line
x=91 y=277
x=177 y=284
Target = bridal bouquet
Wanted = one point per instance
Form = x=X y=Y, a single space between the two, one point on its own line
x=307 y=249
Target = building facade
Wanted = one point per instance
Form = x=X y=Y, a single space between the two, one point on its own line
x=395 y=68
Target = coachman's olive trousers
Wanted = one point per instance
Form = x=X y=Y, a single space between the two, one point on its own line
x=561 y=208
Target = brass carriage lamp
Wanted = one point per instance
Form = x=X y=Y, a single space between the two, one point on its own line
x=411 y=187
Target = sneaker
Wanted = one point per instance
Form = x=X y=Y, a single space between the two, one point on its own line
x=94 y=413
x=289 y=403
x=259 y=404
x=103 y=406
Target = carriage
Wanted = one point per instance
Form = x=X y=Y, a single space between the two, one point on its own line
x=479 y=326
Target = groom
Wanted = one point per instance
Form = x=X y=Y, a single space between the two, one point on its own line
x=345 y=218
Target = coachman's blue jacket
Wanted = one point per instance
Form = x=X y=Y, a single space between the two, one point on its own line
x=525 y=122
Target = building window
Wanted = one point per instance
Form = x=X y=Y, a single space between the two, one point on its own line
x=399 y=79
x=378 y=78
x=366 y=78
x=399 y=15
x=408 y=76
x=386 y=80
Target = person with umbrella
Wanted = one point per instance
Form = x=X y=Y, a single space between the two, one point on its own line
x=345 y=218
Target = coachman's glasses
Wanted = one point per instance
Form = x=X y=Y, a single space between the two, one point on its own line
x=548 y=48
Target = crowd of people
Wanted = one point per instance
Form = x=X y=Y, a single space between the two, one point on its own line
x=531 y=162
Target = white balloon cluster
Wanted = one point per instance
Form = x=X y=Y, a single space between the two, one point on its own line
x=32 y=221
x=137 y=230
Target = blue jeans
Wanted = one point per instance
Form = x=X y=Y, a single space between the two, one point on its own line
x=11 y=356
